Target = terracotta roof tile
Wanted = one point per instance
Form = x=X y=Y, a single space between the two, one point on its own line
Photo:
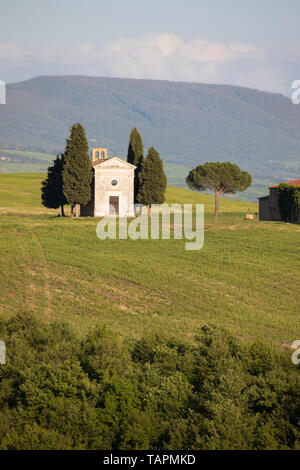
x=294 y=183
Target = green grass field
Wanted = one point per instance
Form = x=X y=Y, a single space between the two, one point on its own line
x=246 y=277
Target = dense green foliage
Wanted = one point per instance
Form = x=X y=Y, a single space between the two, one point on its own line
x=61 y=392
x=135 y=156
x=222 y=178
x=77 y=170
x=153 y=181
x=289 y=201
x=52 y=187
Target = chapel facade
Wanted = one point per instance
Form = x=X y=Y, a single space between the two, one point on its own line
x=112 y=187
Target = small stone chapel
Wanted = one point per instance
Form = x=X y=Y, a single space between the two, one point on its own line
x=112 y=187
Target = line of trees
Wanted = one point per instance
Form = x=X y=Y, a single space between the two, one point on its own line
x=69 y=178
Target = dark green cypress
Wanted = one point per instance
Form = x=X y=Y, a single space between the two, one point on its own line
x=77 y=171
x=52 y=187
x=135 y=156
x=153 y=181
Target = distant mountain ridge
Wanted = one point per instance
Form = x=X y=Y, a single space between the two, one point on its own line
x=189 y=123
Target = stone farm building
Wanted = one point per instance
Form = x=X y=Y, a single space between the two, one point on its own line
x=268 y=205
x=112 y=187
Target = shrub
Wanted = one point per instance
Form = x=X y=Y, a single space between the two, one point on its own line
x=59 y=392
x=289 y=201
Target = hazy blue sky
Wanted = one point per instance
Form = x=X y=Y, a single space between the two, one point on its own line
x=247 y=42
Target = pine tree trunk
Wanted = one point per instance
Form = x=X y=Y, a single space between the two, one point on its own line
x=62 y=210
x=216 y=203
x=77 y=210
x=149 y=211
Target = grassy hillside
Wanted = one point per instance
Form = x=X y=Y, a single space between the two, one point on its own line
x=189 y=123
x=20 y=161
x=246 y=277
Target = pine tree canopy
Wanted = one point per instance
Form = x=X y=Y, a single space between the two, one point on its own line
x=223 y=177
x=52 y=186
x=153 y=181
x=77 y=171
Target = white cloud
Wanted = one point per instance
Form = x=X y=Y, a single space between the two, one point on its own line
x=200 y=50
x=168 y=44
x=242 y=47
x=86 y=47
x=157 y=56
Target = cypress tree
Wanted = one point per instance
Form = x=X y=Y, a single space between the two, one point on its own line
x=152 y=178
x=77 y=171
x=135 y=156
x=52 y=187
